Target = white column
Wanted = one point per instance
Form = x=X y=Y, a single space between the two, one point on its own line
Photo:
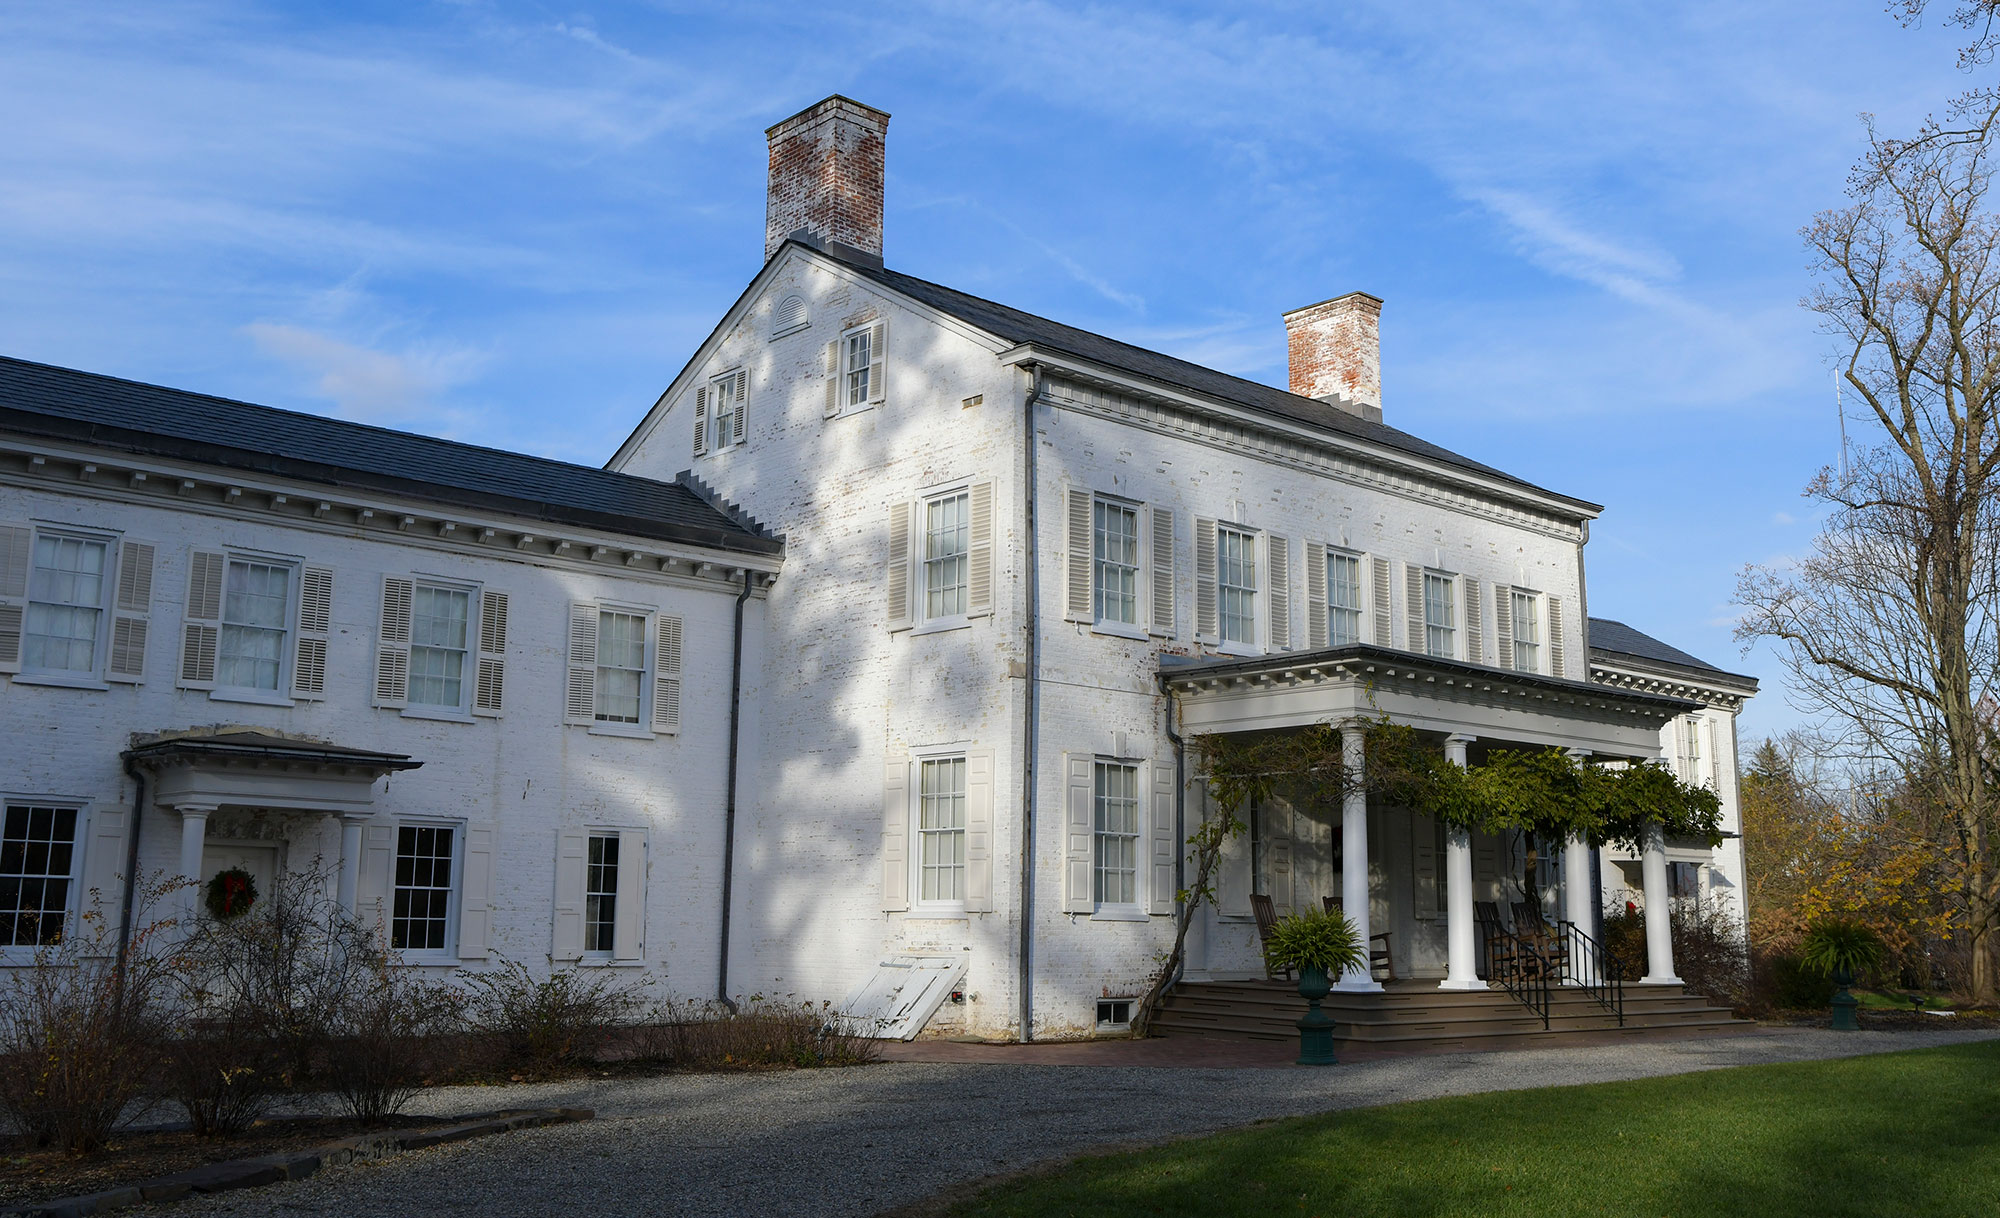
x=1578 y=858
x=194 y=827
x=1659 y=936
x=1461 y=950
x=1354 y=857
x=350 y=861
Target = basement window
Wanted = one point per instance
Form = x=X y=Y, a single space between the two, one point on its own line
x=1114 y=1015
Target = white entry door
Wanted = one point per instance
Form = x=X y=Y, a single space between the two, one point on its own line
x=260 y=859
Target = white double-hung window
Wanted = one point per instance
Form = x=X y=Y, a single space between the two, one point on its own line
x=1527 y=630
x=1115 y=548
x=1115 y=859
x=940 y=562
x=256 y=621
x=67 y=587
x=1343 y=598
x=426 y=873
x=1236 y=584
x=600 y=895
x=37 y=873
x=74 y=605
x=440 y=641
x=946 y=555
x=941 y=853
x=1440 y=615
x=856 y=368
x=1118 y=564
x=442 y=648
x=621 y=666
x=624 y=674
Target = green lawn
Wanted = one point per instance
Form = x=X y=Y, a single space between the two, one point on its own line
x=1895 y=1000
x=1904 y=1133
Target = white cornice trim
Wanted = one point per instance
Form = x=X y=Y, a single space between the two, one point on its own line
x=1718 y=694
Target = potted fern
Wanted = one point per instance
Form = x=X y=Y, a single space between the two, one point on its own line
x=1843 y=949
x=1321 y=946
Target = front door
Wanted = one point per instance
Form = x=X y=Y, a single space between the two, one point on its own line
x=260 y=859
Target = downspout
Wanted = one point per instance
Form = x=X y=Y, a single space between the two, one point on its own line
x=1180 y=813
x=1031 y=716
x=127 y=899
x=729 y=804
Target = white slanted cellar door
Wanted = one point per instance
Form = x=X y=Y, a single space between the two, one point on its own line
x=896 y=1000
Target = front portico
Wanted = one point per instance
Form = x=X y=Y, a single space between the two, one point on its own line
x=1398 y=870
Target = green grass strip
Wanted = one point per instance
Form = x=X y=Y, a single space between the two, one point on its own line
x=1900 y=1133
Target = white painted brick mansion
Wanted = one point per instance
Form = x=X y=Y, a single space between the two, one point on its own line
x=872 y=646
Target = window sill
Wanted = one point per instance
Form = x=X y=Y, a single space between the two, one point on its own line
x=1120 y=913
x=938 y=913
x=255 y=697
x=588 y=962
x=439 y=713
x=941 y=625
x=1119 y=630
x=625 y=731
x=429 y=961
x=59 y=680
x=1239 y=649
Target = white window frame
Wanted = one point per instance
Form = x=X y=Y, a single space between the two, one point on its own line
x=918 y=759
x=287 y=645
x=1258 y=590
x=1135 y=909
x=921 y=551
x=722 y=425
x=647 y=630
x=16 y=954
x=1361 y=591
x=1456 y=587
x=1540 y=603
x=1141 y=567
x=94 y=677
x=469 y=675
x=845 y=396
x=454 y=905
x=616 y=837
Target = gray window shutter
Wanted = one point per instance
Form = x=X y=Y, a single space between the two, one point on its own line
x=700 y=420
x=1079 y=830
x=1378 y=579
x=201 y=632
x=378 y=866
x=1557 y=667
x=130 y=619
x=742 y=407
x=896 y=831
x=1161 y=894
x=1284 y=892
x=878 y=361
x=580 y=684
x=1079 y=543
x=1279 y=554
x=897 y=568
x=1503 y=625
x=979 y=832
x=979 y=559
x=1424 y=864
x=392 y=643
x=315 y=624
x=628 y=916
x=1475 y=621
x=103 y=871
x=16 y=551
x=833 y=378
x=1414 y=638
x=1162 y=573
x=489 y=689
x=1207 y=621
x=1316 y=634
x=667 y=676
x=571 y=852
x=475 y=897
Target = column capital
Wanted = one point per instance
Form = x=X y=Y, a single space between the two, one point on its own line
x=356 y=818
x=1461 y=738
x=197 y=809
x=1579 y=754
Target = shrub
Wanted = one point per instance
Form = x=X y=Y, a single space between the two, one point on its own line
x=707 y=1035
x=1786 y=984
x=560 y=1020
x=1322 y=939
x=1834 y=947
x=386 y=1036
x=1710 y=953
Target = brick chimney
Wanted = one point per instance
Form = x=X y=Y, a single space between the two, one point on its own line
x=826 y=178
x=1336 y=353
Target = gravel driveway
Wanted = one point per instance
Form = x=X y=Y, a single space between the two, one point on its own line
x=859 y=1141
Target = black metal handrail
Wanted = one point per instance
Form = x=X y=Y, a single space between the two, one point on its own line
x=1516 y=966
x=1593 y=970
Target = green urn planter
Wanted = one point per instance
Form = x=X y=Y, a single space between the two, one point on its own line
x=1844 y=1003
x=1315 y=1026
x=1843 y=949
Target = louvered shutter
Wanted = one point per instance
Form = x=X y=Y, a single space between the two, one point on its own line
x=1161 y=577
x=130 y=618
x=1207 y=626
x=1475 y=622
x=1077 y=540
x=833 y=378
x=1503 y=625
x=667 y=676
x=742 y=406
x=1079 y=830
x=979 y=559
x=1280 y=557
x=1714 y=768
x=979 y=832
x=580 y=678
x=202 y=629
x=490 y=688
x=897 y=568
x=1414 y=638
x=628 y=914
x=1557 y=666
x=1378 y=587
x=700 y=420
x=1161 y=895
x=896 y=831
x=315 y=623
x=1283 y=893
x=392 y=643
x=878 y=361
x=104 y=859
x=378 y=862
x=1316 y=634
x=572 y=851
x=16 y=550
x=1424 y=864
x=475 y=895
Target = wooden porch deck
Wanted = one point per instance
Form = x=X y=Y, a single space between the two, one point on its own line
x=1416 y=1016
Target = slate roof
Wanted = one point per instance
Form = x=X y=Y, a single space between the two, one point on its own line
x=1619 y=639
x=129 y=416
x=1018 y=327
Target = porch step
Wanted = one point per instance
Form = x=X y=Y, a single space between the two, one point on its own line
x=1417 y=1016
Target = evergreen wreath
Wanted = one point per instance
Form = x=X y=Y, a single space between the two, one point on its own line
x=230 y=894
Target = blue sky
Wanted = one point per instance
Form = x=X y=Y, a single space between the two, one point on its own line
x=511 y=222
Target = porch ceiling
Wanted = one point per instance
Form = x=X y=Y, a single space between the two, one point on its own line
x=1262 y=693
x=260 y=769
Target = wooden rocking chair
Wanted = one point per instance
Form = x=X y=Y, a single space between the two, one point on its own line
x=1267 y=920
x=1378 y=945
x=1549 y=945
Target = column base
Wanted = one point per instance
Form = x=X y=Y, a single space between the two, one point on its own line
x=1661 y=981
x=1472 y=983
x=1349 y=985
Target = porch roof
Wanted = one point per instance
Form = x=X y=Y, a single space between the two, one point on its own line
x=247 y=767
x=1294 y=689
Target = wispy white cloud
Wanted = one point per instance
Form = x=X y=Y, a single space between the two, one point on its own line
x=398 y=389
